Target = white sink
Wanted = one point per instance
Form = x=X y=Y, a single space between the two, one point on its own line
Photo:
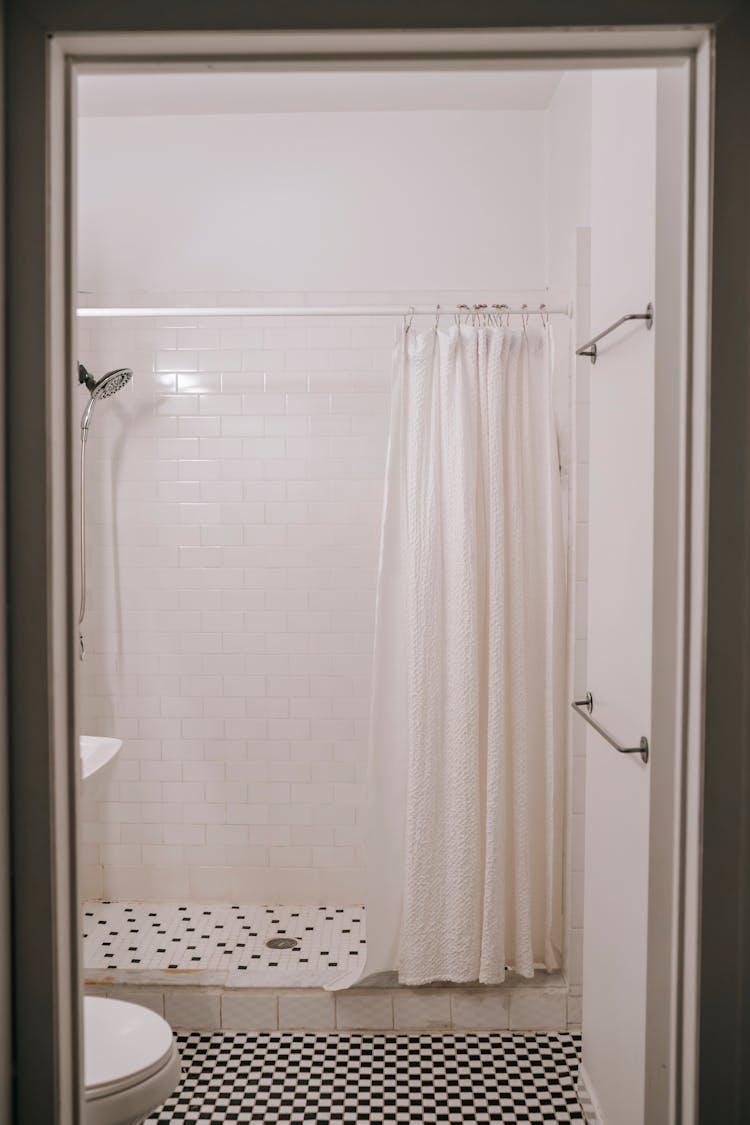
x=97 y=755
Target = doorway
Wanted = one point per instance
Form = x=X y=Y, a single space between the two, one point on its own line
x=685 y=291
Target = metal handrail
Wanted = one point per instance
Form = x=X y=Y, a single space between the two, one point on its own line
x=589 y=348
x=582 y=706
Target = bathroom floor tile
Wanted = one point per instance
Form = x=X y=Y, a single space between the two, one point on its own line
x=283 y=1077
x=166 y=938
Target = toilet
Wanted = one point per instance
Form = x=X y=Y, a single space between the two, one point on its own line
x=131 y=1061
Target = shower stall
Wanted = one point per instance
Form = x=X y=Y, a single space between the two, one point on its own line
x=234 y=528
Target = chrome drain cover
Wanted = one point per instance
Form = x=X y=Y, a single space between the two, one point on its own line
x=282 y=943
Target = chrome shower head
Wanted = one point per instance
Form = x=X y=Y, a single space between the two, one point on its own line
x=109 y=384
x=104 y=387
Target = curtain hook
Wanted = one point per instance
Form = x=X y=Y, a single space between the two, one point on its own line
x=437 y=317
x=408 y=324
x=524 y=317
x=503 y=308
x=544 y=315
x=481 y=311
x=461 y=309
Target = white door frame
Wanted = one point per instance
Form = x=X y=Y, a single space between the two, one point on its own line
x=675 y=959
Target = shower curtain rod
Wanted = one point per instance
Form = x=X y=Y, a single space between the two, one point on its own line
x=327 y=310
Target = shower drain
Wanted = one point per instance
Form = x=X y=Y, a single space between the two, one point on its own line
x=282 y=943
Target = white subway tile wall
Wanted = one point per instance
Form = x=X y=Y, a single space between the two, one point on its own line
x=233 y=519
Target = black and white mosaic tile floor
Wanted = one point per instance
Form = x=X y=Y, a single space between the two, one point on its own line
x=224 y=944
x=275 y=1078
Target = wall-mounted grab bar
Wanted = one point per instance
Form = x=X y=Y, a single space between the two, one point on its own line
x=584 y=707
x=589 y=348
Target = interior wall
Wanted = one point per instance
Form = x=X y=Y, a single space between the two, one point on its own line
x=568 y=150
x=368 y=201
x=235 y=485
x=620 y=635
x=568 y=157
x=234 y=518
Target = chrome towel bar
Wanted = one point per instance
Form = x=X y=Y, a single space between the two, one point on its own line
x=589 y=348
x=584 y=707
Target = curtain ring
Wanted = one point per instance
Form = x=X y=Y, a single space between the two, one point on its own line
x=500 y=310
x=461 y=309
x=481 y=311
x=544 y=315
x=524 y=317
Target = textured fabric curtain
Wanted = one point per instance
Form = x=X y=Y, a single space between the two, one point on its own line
x=468 y=714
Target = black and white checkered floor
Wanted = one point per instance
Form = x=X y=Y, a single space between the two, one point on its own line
x=425 y=1079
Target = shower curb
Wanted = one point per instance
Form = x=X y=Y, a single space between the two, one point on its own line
x=528 y=1006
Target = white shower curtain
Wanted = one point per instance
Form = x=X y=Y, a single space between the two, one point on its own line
x=464 y=848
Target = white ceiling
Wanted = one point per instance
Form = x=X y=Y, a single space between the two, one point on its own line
x=138 y=95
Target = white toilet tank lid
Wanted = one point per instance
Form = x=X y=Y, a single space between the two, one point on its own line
x=121 y=1041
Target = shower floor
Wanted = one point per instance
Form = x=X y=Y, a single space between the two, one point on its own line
x=225 y=945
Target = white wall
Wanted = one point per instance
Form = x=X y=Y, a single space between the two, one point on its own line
x=313 y=201
x=233 y=521
x=568 y=167
x=621 y=496
x=578 y=565
x=235 y=485
x=568 y=152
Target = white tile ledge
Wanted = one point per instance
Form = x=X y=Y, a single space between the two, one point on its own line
x=217 y=979
x=438 y=1010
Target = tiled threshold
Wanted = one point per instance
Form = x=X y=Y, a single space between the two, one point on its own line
x=542 y=1004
